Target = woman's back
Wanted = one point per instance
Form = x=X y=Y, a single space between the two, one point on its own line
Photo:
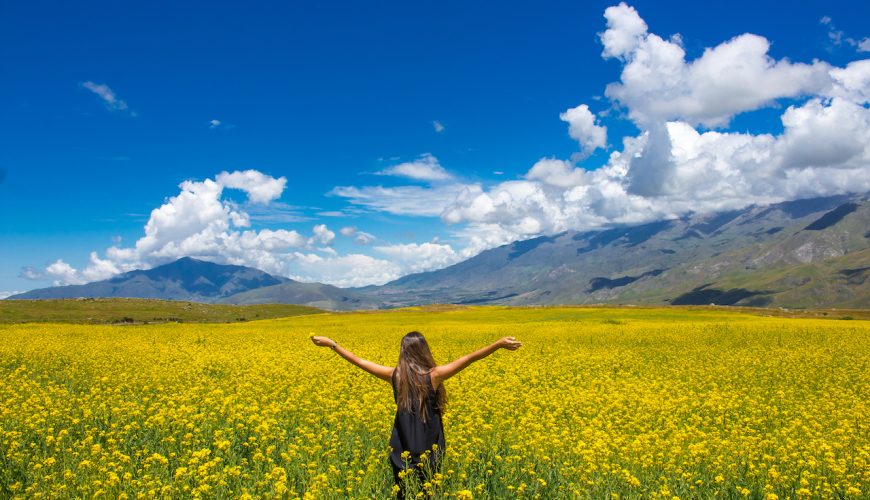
x=413 y=433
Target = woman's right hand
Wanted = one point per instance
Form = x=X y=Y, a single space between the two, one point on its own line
x=509 y=343
x=322 y=341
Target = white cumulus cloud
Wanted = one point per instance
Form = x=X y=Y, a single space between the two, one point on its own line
x=657 y=83
x=557 y=173
x=260 y=187
x=625 y=31
x=585 y=129
x=852 y=82
x=414 y=257
x=63 y=274
x=323 y=235
x=347 y=270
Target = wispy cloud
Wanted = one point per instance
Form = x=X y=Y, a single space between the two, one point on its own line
x=276 y=212
x=31 y=273
x=215 y=124
x=344 y=212
x=402 y=200
x=438 y=126
x=359 y=237
x=424 y=168
x=838 y=37
x=107 y=95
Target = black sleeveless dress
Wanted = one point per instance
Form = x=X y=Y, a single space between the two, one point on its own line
x=412 y=435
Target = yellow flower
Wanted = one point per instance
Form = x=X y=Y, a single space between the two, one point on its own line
x=618 y=403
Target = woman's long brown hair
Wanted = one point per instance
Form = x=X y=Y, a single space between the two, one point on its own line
x=412 y=384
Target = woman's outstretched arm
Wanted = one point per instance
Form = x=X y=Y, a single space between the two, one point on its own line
x=443 y=372
x=380 y=371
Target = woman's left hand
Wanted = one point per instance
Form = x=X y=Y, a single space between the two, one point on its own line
x=509 y=343
x=322 y=341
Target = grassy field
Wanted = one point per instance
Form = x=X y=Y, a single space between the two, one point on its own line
x=139 y=311
x=118 y=311
x=598 y=403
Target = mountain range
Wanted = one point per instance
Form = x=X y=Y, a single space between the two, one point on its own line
x=806 y=253
x=798 y=254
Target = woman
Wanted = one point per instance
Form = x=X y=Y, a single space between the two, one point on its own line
x=418 y=389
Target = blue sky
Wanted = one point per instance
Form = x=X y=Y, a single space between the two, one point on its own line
x=450 y=108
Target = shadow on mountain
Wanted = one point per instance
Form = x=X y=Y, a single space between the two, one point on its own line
x=855 y=276
x=488 y=297
x=703 y=296
x=689 y=234
x=526 y=246
x=599 y=239
x=832 y=217
x=640 y=234
x=634 y=236
x=801 y=208
x=759 y=301
x=717 y=221
x=596 y=284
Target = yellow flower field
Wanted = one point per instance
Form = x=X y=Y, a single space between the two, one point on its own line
x=620 y=403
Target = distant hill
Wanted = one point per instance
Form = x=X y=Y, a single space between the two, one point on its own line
x=137 y=311
x=805 y=253
x=184 y=279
